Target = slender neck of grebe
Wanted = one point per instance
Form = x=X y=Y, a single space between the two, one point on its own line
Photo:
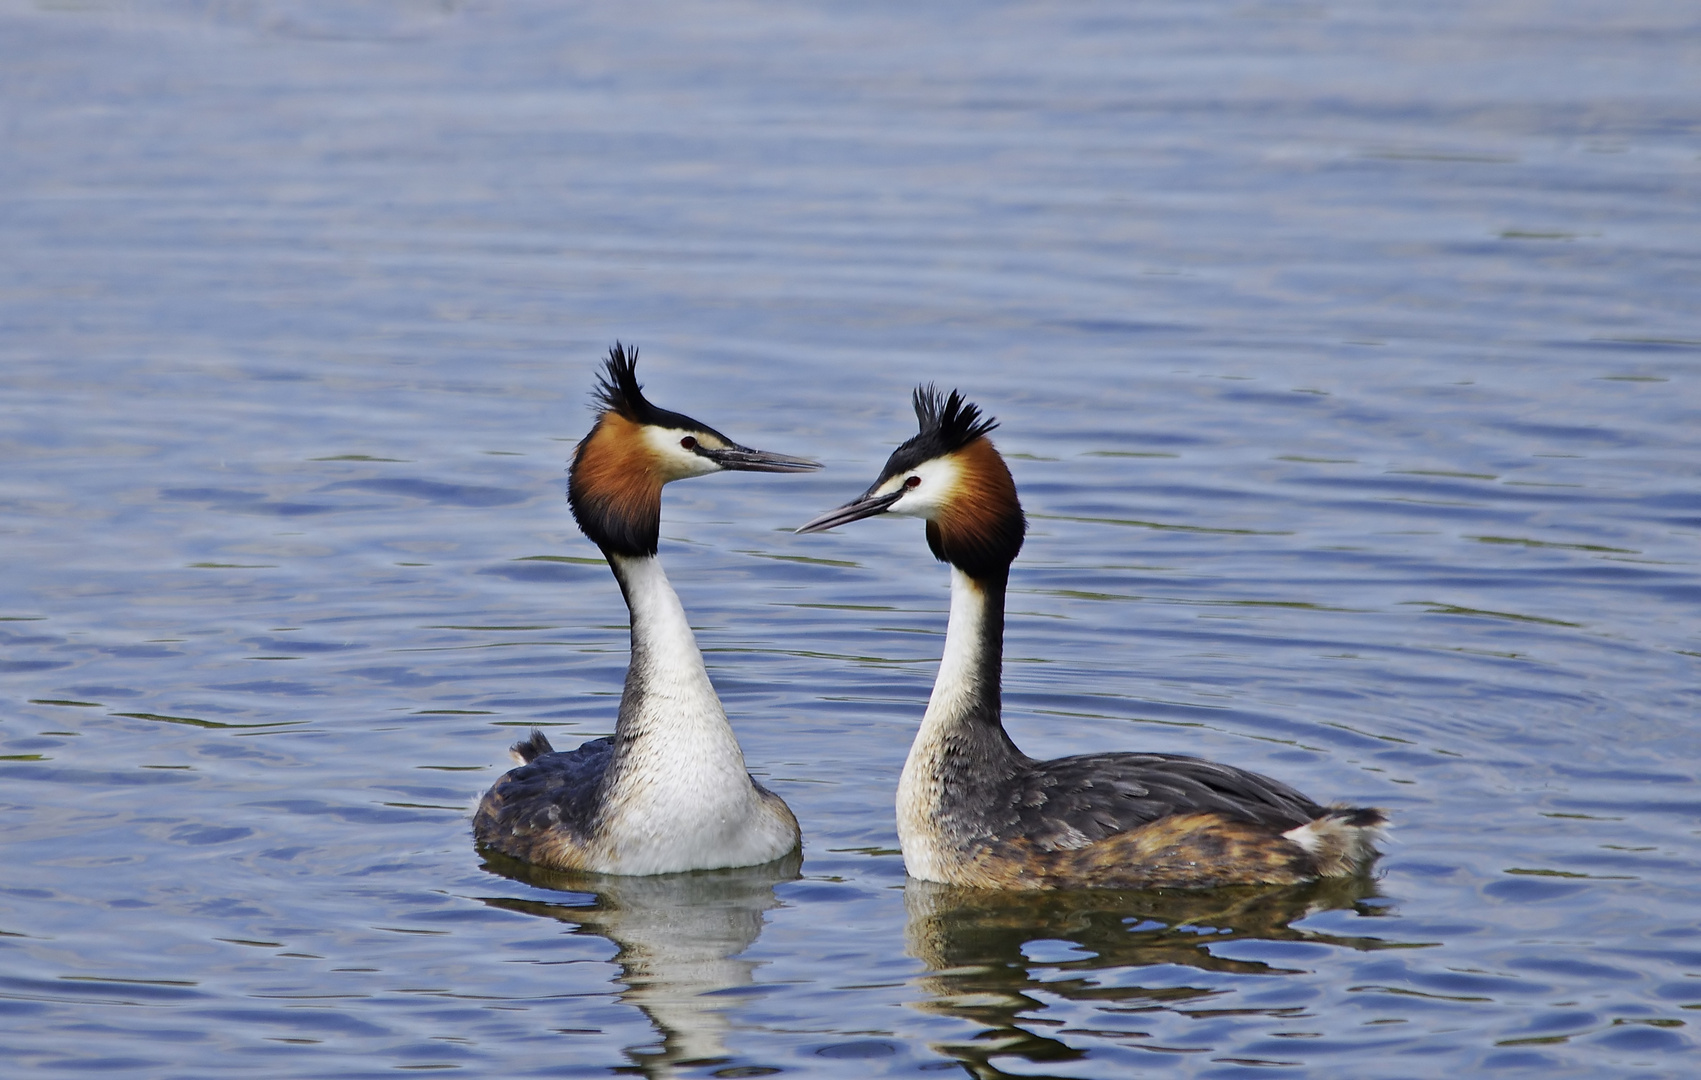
x=961 y=760
x=669 y=705
x=965 y=712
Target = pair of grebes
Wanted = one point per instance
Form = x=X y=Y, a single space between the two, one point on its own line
x=669 y=792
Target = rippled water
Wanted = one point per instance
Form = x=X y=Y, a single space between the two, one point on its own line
x=1347 y=359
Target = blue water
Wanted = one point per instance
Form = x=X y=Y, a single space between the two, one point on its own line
x=1347 y=359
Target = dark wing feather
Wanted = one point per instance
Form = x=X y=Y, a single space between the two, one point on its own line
x=553 y=791
x=1073 y=801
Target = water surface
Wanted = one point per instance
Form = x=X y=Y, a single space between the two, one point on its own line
x=1347 y=361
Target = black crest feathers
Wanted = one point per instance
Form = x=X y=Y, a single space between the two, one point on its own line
x=953 y=422
x=618 y=389
x=948 y=423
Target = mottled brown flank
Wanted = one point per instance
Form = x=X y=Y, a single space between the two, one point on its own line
x=979 y=528
x=1179 y=851
x=615 y=477
x=553 y=846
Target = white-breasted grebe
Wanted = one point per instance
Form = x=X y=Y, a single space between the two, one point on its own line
x=668 y=791
x=974 y=810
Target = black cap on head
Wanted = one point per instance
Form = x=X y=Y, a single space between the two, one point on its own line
x=618 y=390
x=948 y=423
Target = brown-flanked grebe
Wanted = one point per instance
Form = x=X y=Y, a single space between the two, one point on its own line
x=668 y=791
x=974 y=810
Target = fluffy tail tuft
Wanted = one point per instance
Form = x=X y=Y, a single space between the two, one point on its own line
x=531 y=747
x=1343 y=840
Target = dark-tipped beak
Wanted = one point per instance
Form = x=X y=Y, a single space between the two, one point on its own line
x=744 y=459
x=855 y=510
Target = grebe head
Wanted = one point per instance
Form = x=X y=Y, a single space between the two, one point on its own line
x=949 y=475
x=614 y=484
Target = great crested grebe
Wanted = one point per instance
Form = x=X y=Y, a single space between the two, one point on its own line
x=974 y=810
x=668 y=791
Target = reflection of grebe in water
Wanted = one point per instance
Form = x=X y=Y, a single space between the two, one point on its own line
x=680 y=937
x=974 y=810
x=979 y=946
x=668 y=791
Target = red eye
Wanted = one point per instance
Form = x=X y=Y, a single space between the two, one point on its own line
x=913 y=482
x=688 y=443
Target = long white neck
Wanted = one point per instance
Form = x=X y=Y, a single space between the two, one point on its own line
x=972 y=666
x=961 y=750
x=669 y=712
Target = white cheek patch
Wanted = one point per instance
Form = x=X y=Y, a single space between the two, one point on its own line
x=673 y=461
x=939 y=479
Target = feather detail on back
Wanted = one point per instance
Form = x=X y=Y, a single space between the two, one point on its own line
x=1074 y=801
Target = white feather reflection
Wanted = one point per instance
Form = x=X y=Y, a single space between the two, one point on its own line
x=681 y=939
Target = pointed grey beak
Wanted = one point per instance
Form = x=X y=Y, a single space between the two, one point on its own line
x=744 y=459
x=855 y=510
